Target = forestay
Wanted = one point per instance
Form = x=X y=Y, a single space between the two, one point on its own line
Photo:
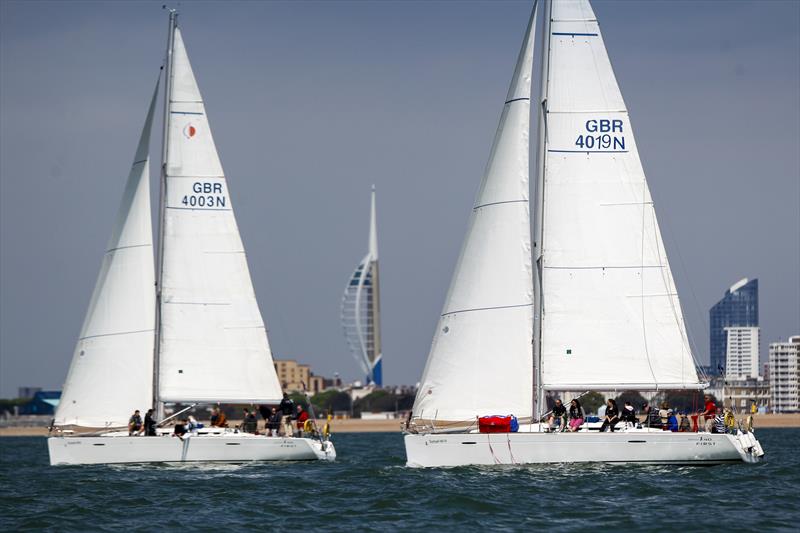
x=111 y=373
x=611 y=315
x=213 y=344
x=481 y=358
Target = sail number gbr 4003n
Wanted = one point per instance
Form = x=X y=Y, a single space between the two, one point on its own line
x=602 y=134
x=204 y=194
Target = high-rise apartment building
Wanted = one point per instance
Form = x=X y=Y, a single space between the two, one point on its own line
x=738 y=308
x=741 y=352
x=783 y=375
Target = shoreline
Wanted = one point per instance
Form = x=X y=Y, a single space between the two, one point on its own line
x=357 y=425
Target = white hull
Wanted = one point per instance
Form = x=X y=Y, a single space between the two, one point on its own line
x=227 y=447
x=635 y=446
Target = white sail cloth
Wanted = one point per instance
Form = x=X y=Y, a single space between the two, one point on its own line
x=213 y=344
x=611 y=315
x=111 y=373
x=481 y=360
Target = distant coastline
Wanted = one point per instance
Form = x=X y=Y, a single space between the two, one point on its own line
x=357 y=425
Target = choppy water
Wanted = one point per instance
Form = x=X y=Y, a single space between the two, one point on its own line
x=369 y=488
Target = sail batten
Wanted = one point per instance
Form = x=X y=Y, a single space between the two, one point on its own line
x=213 y=343
x=481 y=359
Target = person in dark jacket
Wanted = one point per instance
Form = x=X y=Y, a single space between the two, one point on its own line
x=287 y=412
x=274 y=423
x=628 y=415
x=150 y=424
x=612 y=415
x=559 y=413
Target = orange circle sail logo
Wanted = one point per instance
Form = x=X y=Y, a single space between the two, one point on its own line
x=189 y=131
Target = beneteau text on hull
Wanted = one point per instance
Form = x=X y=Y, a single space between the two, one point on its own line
x=140 y=346
x=590 y=304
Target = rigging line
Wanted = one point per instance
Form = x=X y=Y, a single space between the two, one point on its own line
x=689 y=282
x=508 y=438
x=641 y=278
x=686 y=341
x=486 y=309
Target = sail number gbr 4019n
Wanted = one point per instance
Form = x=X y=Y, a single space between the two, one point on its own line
x=602 y=134
x=205 y=194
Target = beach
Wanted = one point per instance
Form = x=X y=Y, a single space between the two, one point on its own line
x=357 y=425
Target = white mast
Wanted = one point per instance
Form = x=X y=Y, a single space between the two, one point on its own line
x=541 y=111
x=173 y=23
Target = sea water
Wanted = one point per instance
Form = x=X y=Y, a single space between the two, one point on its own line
x=370 y=488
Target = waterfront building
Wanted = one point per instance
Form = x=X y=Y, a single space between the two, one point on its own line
x=741 y=352
x=784 y=372
x=292 y=375
x=738 y=308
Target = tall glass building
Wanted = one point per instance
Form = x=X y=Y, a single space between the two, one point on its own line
x=738 y=308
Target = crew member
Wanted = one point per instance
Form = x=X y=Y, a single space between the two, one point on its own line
x=135 y=423
x=301 y=418
x=150 y=424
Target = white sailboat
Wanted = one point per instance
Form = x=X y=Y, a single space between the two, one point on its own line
x=188 y=332
x=589 y=305
x=361 y=309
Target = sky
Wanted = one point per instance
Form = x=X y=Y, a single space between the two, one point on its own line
x=313 y=102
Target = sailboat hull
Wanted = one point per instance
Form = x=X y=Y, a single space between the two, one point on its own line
x=230 y=448
x=648 y=447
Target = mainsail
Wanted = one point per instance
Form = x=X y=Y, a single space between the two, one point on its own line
x=611 y=318
x=112 y=367
x=481 y=359
x=361 y=309
x=213 y=344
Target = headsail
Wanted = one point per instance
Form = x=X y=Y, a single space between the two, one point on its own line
x=361 y=309
x=481 y=360
x=611 y=316
x=213 y=344
x=112 y=367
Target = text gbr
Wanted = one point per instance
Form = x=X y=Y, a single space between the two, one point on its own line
x=602 y=134
x=206 y=195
